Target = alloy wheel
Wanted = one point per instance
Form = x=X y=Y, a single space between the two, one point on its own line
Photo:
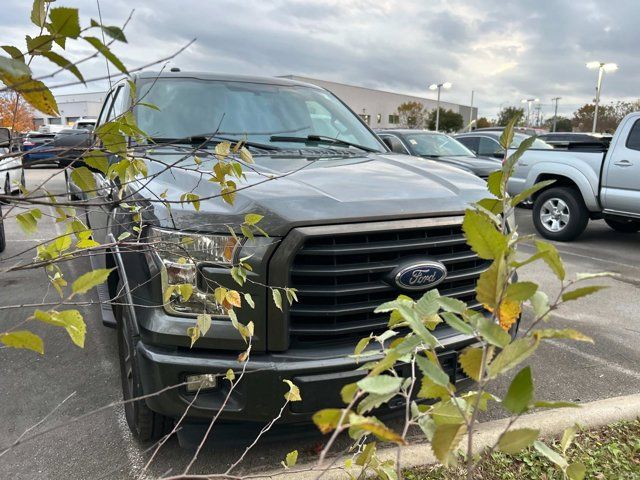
x=555 y=214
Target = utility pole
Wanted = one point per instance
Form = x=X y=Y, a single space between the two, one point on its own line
x=555 y=112
x=439 y=87
x=538 y=115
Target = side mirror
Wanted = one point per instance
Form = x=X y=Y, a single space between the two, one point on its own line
x=498 y=155
x=5 y=137
x=387 y=142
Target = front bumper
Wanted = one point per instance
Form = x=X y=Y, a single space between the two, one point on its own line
x=320 y=373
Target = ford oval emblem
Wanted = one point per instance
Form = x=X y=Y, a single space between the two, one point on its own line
x=421 y=276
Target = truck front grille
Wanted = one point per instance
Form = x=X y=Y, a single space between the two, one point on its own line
x=340 y=278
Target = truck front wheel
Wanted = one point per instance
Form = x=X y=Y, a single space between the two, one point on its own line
x=623 y=226
x=560 y=214
x=145 y=424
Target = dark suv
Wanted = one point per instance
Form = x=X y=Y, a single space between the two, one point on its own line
x=344 y=217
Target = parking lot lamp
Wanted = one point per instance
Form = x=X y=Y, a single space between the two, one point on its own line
x=602 y=68
x=439 y=87
x=529 y=101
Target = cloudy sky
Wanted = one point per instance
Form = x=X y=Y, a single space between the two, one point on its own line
x=504 y=50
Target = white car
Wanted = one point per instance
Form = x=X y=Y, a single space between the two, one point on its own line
x=11 y=171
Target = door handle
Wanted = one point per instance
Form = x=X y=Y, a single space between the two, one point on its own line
x=623 y=163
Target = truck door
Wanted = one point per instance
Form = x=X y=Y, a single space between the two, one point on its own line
x=621 y=182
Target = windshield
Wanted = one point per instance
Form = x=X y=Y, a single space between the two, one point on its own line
x=518 y=138
x=252 y=111
x=437 y=145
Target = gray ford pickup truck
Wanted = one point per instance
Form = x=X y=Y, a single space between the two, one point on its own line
x=588 y=185
x=345 y=217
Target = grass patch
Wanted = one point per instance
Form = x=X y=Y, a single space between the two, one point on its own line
x=611 y=452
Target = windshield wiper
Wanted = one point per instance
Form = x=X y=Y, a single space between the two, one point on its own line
x=203 y=139
x=321 y=138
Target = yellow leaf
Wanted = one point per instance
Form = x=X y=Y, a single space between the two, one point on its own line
x=293 y=395
x=23 y=339
x=232 y=299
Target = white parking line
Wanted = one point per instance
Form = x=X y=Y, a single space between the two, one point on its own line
x=596 y=359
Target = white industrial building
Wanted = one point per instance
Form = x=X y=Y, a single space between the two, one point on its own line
x=71 y=107
x=378 y=108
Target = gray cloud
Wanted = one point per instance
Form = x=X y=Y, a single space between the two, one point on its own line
x=503 y=50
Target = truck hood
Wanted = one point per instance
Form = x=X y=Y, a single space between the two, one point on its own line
x=295 y=191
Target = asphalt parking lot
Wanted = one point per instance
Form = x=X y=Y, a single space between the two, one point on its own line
x=100 y=445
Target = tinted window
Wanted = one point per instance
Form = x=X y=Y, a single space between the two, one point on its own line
x=471 y=143
x=489 y=147
x=105 y=109
x=394 y=143
x=633 y=141
x=436 y=145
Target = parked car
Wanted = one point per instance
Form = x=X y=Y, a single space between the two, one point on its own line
x=345 y=218
x=85 y=123
x=11 y=173
x=588 y=185
x=525 y=130
x=577 y=140
x=439 y=147
x=69 y=145
x=37 y=149
x=487 y=143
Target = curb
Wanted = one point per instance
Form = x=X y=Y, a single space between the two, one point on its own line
x=550 y=422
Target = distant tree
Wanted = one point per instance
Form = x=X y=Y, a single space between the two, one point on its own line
x=17 y=115
x=450 y=121
x=507 y=113
x=483 y=122
x=608 y=119
x=412 y=114
x=563 y=124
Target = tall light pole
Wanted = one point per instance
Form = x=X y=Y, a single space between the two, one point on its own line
x=602 y=68
x=555 y=112
x=529 y=101
x=439 y=87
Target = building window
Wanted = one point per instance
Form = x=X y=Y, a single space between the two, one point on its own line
x=394 y=119
x=366 y=117
x=72 y=120
x=38 y=122
x=379 y=118
x=55 y=121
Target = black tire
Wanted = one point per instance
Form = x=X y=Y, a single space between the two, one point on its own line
x=23 y=180
x=560 y=214
x=145 y=424
x=623 y=225
x=3 y=240
x=6 y=187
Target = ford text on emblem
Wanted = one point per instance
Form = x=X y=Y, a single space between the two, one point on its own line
x=421 y=276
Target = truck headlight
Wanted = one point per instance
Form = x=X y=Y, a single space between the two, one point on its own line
x=180 y=254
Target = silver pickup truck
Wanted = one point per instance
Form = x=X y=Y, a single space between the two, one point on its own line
x=588 y=185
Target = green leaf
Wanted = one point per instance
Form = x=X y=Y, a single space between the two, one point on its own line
x=429 y=389
x=520 y=393
x=83 y=178
x=104 y=50
x=432 y=371
x=348 y=392
x=581 y=292
x=576 y=471
x=71 y=320
x=515 y=156
x=65 y=22
x=277 y=298
x=327 y=419
x=449 y=412
x=494 y=183
x=482 y=235
x=114 y=32
x=23 y=339
x=252 y=218
x=449 y=304
x=91 y=279
x=293 y=395
x=194 y=334
x=446 y=439
x=381 y=384
x=361 y=345
x=540 y=304
x=492 y=283
x=552 y=258
x=454 y=322
x=39 y=45
x=551 y=454
x=249 y=299
x=230 y=375
x=512 y=355
x=28 y=221
x=506 y=139
x=513 y=441
x=203 y=321
x=38 y=13
x=15 y=53
x=521 y=291
x=470 y=361
x=493 y=333
x=63 y=63
x=291 y=459
x=567 y=437
x=567 y=333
